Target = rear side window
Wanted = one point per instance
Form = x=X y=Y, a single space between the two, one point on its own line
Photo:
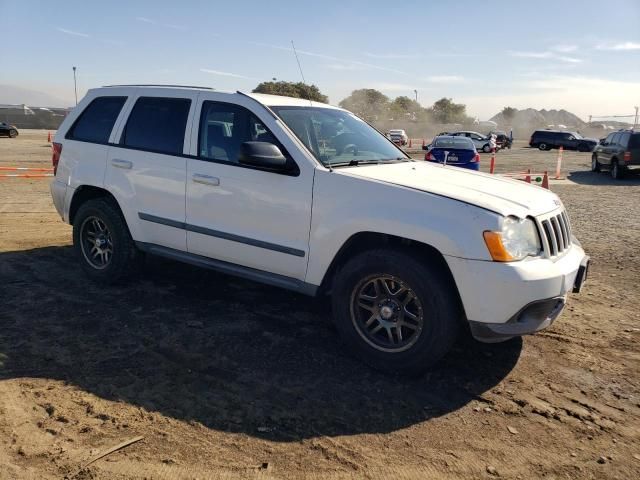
x=96 y=121
x=634 y=142
x=624 y=139
x=157 y=125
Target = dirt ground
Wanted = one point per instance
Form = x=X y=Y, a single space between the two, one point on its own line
x=226 y=378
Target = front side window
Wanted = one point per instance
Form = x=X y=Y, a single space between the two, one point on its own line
x=157 y=124
x=224 y=127
x=337 y=137
x=96 y=121
x=616 y=139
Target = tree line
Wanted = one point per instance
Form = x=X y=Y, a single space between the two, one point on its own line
x=374 y=106
x=378 y=109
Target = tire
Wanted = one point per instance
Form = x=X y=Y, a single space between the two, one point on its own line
x=13 y=133
x=617 y=172
x=433 y=303
x=595 y=164
x=543 y=146
x=99 y=216
x=486 y=148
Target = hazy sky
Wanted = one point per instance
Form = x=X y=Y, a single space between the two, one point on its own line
x=583 y=56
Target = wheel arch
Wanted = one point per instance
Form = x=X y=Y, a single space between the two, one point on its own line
x=85 y=193
x=363 y=241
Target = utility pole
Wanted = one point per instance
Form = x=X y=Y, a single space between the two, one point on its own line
x=75 y=85
x=635 y=121
x=416 y=92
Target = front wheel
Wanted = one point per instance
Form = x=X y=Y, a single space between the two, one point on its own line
x=543 y=146
x=102 y=242
x=595 y=164
x=486 y=148
x=13 y=133
x=396 y=313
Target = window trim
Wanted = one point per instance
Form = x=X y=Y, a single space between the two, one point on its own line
x=121 y=140
x=69 y=133
x=293 y=172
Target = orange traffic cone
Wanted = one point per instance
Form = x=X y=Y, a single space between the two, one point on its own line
x=49 y=138
x=528 y=177
x=545 y=180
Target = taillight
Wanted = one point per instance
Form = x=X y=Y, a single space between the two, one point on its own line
x=476 y=159
x=55 y=158
x=428 y=156
x=627 y=156
x=531 y=141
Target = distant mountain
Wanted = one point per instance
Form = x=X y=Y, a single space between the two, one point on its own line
x=10 y=94
x=531 y=118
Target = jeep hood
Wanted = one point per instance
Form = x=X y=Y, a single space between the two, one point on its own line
x=491 y=192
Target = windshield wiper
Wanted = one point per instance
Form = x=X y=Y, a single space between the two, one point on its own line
x=355 y=163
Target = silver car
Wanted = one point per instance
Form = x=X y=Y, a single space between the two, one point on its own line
x=480 y=141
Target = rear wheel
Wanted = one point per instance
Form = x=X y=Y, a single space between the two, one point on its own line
x=617 y=172
x=397 y=314
x=595 y=165
x=486 y=148
x=103 y=243
x=543 y=146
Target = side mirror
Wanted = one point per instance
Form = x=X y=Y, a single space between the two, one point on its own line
x=262 y=154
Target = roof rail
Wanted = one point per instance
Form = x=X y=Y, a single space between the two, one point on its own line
x=153 y=85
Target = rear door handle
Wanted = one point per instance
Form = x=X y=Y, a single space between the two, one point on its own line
x=121 y=163
x=206 y=179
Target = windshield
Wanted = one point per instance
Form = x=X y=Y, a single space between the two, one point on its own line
x=338 y=137
x=576 y=135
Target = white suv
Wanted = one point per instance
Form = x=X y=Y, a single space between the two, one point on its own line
x=309 y=197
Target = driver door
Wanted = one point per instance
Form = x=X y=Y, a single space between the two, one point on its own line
x=240 y=214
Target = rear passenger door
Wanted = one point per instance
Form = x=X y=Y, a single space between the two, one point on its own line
x=146 y=168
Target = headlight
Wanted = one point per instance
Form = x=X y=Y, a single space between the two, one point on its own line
x=518 y=239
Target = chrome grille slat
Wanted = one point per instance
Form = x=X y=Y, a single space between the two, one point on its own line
x=555 y=233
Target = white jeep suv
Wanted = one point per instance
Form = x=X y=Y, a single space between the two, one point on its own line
x=309 y=197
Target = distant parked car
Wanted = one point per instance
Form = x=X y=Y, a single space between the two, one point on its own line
x=502 y=139
x=7 y=130
x=399 y=137
x=619 y=153
x=455 y=151
x=480 y=141
x=548 y=139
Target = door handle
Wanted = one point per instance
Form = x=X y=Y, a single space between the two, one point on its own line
x=121 y=163
x=206 y=179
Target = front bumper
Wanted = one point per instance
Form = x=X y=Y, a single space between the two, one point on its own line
x=502 y=300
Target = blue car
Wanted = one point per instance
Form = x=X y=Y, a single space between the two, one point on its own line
x=456 y=151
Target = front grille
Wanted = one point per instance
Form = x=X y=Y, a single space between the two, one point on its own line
x=555 y=233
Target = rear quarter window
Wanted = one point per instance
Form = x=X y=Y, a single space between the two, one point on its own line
x=634 y=141
x=96 y=121
x=157 y=124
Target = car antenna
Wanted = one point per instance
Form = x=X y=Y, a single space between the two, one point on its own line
x=300 y=68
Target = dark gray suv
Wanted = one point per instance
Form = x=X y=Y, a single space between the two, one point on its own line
x=618 y=153
x=548 y=139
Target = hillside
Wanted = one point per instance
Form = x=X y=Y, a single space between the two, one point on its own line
x=531 y=118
